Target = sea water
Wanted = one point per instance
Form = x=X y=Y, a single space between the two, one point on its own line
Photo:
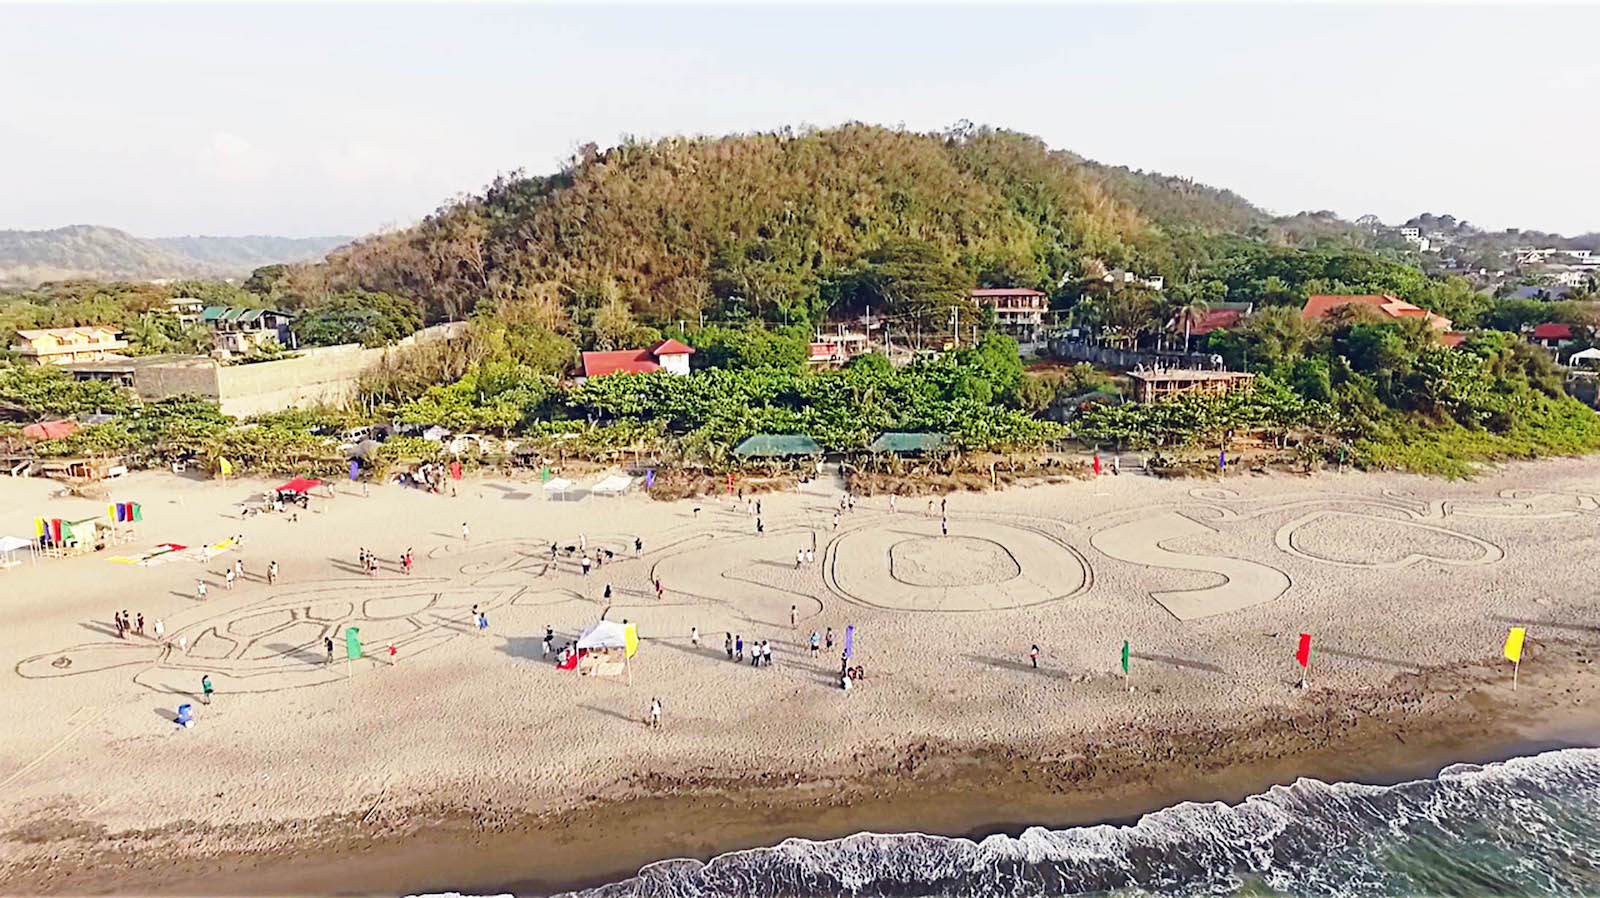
x=1527 y=826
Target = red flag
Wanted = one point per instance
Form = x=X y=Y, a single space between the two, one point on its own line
x=1303 y=655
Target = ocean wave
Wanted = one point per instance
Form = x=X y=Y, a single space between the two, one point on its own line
x=1523 y=826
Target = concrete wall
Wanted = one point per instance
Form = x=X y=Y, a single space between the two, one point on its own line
x=197 y=376
x=322 y=375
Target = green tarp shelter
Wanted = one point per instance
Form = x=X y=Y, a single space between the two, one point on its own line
x=776 y=446
x=910 y=442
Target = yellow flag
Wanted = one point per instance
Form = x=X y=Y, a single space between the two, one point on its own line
x=1514 y=644
x=225 y=467
x=630 y=639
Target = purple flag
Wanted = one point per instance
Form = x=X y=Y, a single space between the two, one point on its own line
x=849 y=639
x=1222 y=459
x=650 y=478
x=355 y=469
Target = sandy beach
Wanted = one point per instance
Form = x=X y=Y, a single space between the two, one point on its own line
x=466 y=760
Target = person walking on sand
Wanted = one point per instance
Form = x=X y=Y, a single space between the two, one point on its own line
x=205 y=688
x=483 y=622
x=1033 y=656
x=586 y=564
x=200 y=590
x=140 y=629
x=272 y=573
x=799 y=557
x=549 y=637
x=766 y=653
x=327 y=644
x=810 y=556
x=944 y=526
x=474 y=613
x=794 y=616
x=466 y=533
x=229 y=578
x=661 y=591
x=608 y=590
x=655 y=713
x=694 y=636
x=160 y=629
x=828 y=640
x=755 y=653
x=238 y=567
x=738 y=649
x=117 y=617
x=836 y=520
x=183 y=644
x=727 y=645
x=891 y=503
x=638 y=545
x=816 y=644
x=760 y=527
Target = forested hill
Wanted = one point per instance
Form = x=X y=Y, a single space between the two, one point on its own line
x=89 y=251
x=788 y=226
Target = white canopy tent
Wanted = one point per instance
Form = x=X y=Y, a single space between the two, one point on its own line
x=604 y=636
x=613 y=486
x=557 y=487
x=1589 y=356
x=10 y=546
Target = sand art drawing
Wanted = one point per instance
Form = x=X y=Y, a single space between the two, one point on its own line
x=907 y=564
x=1325 y=537
x=1244 y=583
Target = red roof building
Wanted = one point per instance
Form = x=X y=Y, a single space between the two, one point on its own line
x=668 y=355
x=1319 y=308
x=1213 y=319
x=1552 y=332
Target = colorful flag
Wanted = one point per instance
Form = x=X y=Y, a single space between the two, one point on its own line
x=455 y=470
x=224 y=467
x=630 y=639
x=355 y=469
x=137 y=513
x=650 y=478
x=352 y=643
x=1303 y=654
x=1514 y=644
x=1124 y=656
x=1222 y=460
x=849 y=639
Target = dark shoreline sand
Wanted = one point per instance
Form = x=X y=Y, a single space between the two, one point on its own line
x=1417 y=725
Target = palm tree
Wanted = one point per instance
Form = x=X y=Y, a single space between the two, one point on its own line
x=1190 y=308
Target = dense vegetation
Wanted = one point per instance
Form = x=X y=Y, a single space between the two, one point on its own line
x=742 y=245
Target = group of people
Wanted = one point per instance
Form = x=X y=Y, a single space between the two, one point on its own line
x=817 y=641
x=126 y=625
x=760 y=652
x=368 y=561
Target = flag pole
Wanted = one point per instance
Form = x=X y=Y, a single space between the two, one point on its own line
x=1516 y=667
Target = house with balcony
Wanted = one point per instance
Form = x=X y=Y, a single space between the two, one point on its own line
x=237 y=331
x=1017 y=310
x=64 y=345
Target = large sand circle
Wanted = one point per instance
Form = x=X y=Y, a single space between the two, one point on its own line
x=908 y=564
x=951 y=561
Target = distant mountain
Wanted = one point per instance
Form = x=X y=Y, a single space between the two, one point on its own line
x=89 y=251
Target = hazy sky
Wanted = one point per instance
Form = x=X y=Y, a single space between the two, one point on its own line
x=306 y=120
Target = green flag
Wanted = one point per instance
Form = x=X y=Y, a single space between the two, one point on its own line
x=1124 y=656
x=352 y=643
x=138 y=513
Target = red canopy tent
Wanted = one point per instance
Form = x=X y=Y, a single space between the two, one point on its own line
x=300 y=485
x=49 y=430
